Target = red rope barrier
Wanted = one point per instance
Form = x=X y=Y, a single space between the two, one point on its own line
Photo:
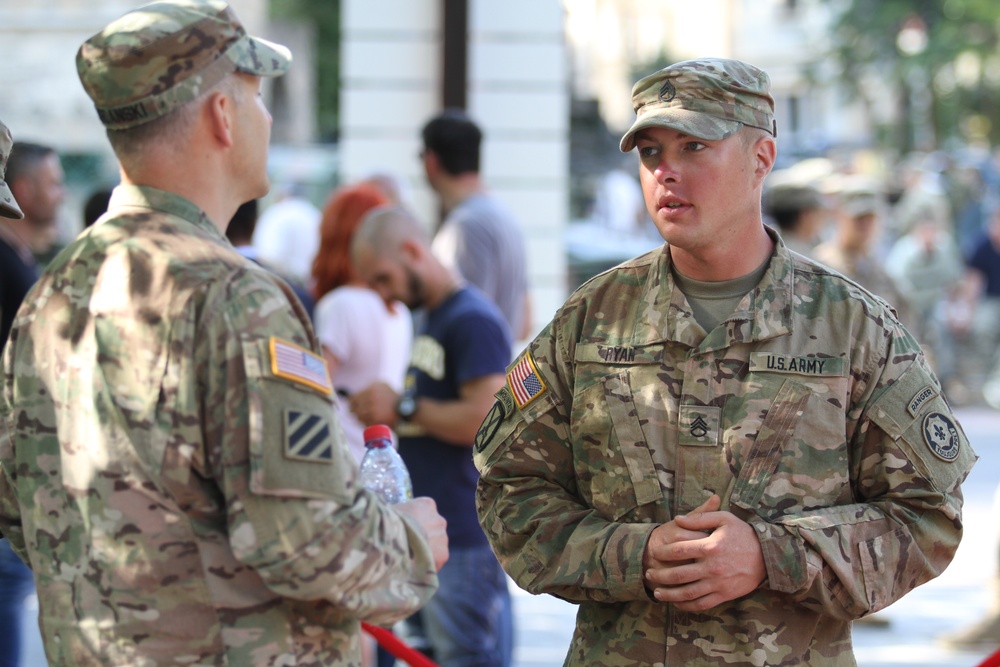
x=415 y=658
x=992 y=660
x=398 y=647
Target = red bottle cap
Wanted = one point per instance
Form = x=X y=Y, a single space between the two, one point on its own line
x=376 y=432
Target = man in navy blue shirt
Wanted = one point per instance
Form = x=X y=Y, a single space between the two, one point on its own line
x=975 y=313
x=457 y=364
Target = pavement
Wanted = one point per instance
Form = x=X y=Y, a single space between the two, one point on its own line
x=959 y=597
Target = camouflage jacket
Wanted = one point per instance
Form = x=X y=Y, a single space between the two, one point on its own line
x=810 y=411
x=171 y=466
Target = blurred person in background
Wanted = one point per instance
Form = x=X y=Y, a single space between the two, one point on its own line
x=852 y=250
x=391 y=185
x=618 y=204
x=35 y=177
x=365 y=338
x=975 y=314
x=18 y=272
x=240 y=234
x=968 y=202
x=287 y=234
x=922 y=196
x=926 y=266
x=798 y=212
x=457 y=364
x=480 y=238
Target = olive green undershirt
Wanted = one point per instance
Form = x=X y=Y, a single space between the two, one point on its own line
x=713 y=302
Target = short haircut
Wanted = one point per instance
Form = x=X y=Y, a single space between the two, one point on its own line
x=455 y=139
x=24 y=160
x=384 y=230
x=750 y=135
x=130 y=144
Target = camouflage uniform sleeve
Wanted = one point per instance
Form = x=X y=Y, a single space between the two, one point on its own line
x=544 y=535
x=10 y=513
x=909 y=457
x=274 y=448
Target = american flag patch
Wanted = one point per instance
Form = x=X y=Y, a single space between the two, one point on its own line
x=291 y=362
x=524 y=381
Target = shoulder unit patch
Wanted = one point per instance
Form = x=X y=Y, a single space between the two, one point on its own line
x=307 y=437
x=941 y=436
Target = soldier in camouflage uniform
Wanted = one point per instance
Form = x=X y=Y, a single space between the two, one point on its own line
x=18 y=273
x=722 y=451
x=170 y=463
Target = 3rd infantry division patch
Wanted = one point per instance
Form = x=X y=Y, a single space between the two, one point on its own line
x=307 y=437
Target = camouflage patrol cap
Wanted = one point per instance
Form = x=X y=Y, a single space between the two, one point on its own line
x=710 y=98
x=8 y=206
x=158 y=57
x=860 y=200
x=792 y=197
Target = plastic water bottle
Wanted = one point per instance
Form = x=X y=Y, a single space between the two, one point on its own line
x=382 y=468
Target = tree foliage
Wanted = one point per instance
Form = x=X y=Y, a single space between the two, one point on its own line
x=952 y=58
x=324 y=16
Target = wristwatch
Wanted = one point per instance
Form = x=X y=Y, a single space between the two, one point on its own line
x=406 y=406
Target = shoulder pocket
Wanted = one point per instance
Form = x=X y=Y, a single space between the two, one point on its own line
x=913 y=412
x=296 y=446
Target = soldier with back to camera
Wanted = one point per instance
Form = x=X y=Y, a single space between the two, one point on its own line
x=170 y=463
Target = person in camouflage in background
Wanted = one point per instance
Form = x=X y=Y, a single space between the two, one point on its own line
x=723 y=452
x=170 y=463
x=18 y=273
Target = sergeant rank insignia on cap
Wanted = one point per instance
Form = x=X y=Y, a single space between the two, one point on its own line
x=524 y=381
x=291 y=362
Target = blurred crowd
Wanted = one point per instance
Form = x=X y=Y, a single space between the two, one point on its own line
x=924 y=235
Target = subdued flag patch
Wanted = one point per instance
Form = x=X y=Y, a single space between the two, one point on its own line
x=524 y=381
x=307 y=437
x=291 y=362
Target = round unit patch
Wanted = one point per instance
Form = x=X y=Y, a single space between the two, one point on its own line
x=941 y=436
x=490 y=426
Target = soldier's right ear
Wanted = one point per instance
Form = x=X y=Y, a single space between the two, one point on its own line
x=218 y=111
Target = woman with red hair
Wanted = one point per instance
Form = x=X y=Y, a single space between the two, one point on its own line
x=364 y=339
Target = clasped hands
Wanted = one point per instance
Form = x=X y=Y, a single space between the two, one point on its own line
x=702 y=559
